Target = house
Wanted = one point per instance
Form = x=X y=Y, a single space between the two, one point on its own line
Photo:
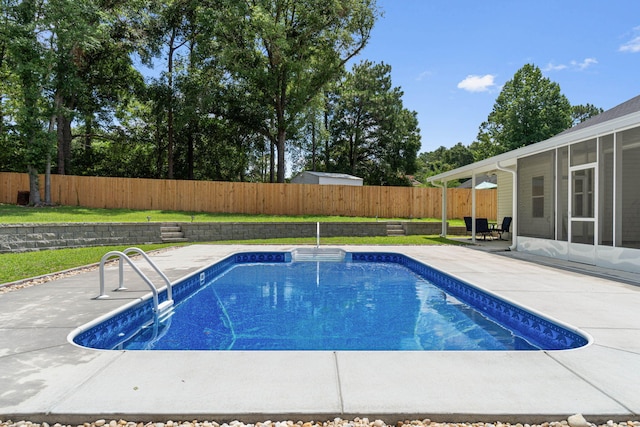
x=575 y=196
x=324 y=178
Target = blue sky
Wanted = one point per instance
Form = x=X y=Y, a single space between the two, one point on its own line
x=452 y=57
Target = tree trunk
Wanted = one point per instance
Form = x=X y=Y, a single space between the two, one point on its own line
x=281 y=123
x=282 y=136
x=47 y=173
x=272 y=161
x=87 y=152
x=63 y=133
x=34 y=187
x=313 y=144
x=66 y=143
x=47 y=182
x=190 y=150
x=263 y=164
x=193 y=122
x=159 y=161
x=327 y=158
x=170 y=143
x=352 y=156
x=60 y=138
x=170 y=106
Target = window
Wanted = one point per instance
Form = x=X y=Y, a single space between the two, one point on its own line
x=584 y=152
x=583 y=197
x=629 y=196
x=537 y=196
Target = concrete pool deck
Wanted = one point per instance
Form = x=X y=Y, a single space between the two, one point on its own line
x=45 y=378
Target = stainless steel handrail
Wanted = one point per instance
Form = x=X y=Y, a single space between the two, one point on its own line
x=124 y=256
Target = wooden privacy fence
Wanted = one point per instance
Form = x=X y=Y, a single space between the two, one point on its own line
x=253 y=198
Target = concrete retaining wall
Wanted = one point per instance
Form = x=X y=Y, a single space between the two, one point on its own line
x=206 y=232
x=422 y=227
x=28 y=237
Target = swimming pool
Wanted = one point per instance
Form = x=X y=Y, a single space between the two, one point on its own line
x=364 y=301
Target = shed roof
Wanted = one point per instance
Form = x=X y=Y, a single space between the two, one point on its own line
x=332 y=175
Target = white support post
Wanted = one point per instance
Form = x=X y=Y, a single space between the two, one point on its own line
x=473 y=207
x=444 y=210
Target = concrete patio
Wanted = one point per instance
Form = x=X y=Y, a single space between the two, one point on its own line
x=43 y=377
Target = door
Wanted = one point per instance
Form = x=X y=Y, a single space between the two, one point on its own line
x=582 y=218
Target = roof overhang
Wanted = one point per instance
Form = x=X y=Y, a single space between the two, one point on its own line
x=509 y=160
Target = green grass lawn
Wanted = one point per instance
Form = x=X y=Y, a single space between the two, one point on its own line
x=375 y=240
x=23 y=265
x=13 y=214
x=18 y=266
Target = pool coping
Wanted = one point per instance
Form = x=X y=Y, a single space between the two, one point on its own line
x=52 y=380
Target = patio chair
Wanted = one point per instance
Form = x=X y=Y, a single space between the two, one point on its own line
x=504 y=228
x=467 y=223
x=482 y=227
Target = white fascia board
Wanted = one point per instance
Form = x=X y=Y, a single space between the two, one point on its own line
x=478 y=168
x=510 y=159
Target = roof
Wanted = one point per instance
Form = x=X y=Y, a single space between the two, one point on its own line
x=627 y=107
x=332 y=175
x=616 y=119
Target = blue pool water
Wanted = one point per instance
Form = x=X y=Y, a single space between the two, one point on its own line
x=366 y=303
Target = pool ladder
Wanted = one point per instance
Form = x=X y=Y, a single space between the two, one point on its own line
x=160 y=310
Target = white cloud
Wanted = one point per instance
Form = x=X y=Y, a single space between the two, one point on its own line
x=633 y=45
x=573 y=65
x=552 y=67
x=477 y=83
x=584 y=64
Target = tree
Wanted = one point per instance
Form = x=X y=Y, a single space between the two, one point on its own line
x=9 y=156
x=74 y=31
x=30 y=64
x=70 y=66
x=107 y=83
x=580 y=113
x=282 y=53
x=312 y=141
x=174 y=28
x=372 y=134
x=484 y=147
x=442 y=160
x=242 y=80
x=530 y=108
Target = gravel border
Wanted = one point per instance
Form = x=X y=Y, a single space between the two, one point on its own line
x=576 y=420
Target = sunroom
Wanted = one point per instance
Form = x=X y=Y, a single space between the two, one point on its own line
x=575 y=196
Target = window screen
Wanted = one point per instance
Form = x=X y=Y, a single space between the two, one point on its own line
x=536 y=195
